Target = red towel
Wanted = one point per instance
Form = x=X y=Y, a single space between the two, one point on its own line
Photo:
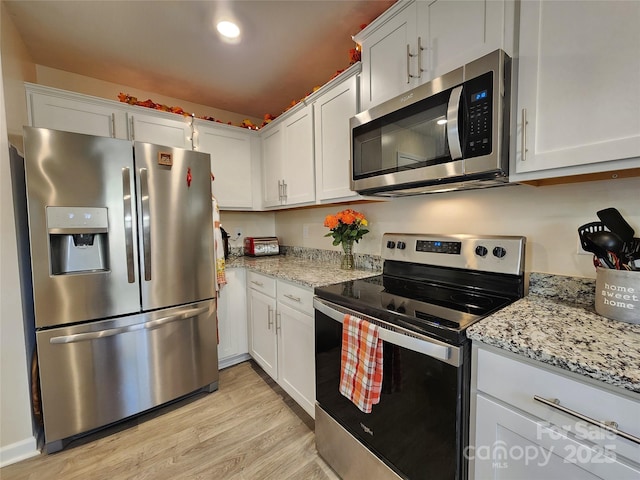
x=361 y=365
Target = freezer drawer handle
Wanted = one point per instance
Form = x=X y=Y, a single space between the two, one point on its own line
x=110 y=332
x=128 y=223
x=609 y=426
x=146 y=223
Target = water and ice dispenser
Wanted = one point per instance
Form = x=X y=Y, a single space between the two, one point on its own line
x=78 y=239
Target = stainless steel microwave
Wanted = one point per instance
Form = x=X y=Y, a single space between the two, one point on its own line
x=449 y=134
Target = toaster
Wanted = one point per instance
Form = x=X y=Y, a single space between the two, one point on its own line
x=261 y=246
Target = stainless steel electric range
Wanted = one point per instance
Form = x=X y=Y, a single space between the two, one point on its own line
x=433 y=287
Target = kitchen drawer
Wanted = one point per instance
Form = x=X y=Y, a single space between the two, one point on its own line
x=262 y=283
x=295 y=296
x=517 y=382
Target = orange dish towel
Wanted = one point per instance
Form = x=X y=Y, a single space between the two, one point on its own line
x=361 y=363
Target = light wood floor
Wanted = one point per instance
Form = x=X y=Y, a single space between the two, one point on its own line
x=248 y=430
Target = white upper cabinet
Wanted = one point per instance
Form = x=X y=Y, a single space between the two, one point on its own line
x=71 y=112
x=160 y=128
x=387 y=45
x=460 y=31
x=232 y=152
x=298 y=155
x=288 y=159
x=272 y=165
x=418 y=40
x=578 y=89
x=332 y=111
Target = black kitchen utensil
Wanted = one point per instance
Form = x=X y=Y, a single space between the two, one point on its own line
x=615 y=222
x=608 y=241
x=590 y=246
x=589 y=228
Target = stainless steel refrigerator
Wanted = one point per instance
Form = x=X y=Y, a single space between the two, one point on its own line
x=122 y=259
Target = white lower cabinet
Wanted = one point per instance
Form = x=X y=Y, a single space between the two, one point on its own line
x=514 y=436
x=233 y=346
x=281 y=335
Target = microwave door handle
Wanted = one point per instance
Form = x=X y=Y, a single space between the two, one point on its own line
x=453 y=128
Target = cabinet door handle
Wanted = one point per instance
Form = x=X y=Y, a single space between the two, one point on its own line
x=133 y=135
x=284 y=190
x=278 y=322
x=524 y=134
x=609 y=426
x=113 y=125
x=420 y=50
x=409 y=76
x=291 y=297
x=269 y=317
x=279 y=190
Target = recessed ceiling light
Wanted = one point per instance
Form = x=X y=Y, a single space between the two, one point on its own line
x=228 y=29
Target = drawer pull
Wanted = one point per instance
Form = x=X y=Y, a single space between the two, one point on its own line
x=291 y=297
x=260 y=284
x=609 y=426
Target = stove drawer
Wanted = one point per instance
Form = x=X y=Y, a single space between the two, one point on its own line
x=561 y=401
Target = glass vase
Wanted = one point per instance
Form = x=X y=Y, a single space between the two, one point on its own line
x=347 y=262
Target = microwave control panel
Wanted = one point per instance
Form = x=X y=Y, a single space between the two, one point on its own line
x=479 y=98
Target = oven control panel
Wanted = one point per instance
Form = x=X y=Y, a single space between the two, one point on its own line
x=489 y=253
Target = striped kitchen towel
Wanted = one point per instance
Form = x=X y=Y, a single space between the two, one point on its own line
x=361 y=363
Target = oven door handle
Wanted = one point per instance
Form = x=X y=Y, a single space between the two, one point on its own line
x=411 y=341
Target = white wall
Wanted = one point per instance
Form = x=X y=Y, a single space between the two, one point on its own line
x=548 y=216
x=16 y=438
x=73 y=82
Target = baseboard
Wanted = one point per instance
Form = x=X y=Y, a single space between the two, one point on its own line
x=18 y=451
x=230 y=361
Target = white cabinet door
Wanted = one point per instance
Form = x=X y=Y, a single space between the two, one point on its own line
x=232 y=319
x=263 y=343
x=512 y=444
x=231 y=162
x=578 y=88
x=272 y=149
x=60 y=110
x=459 y=31
x=296 y=356
x=298 y=156
x=159 y=130
x=332 y=112
x=387 y=67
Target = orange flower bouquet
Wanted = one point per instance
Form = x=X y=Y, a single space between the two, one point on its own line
x=346 y=227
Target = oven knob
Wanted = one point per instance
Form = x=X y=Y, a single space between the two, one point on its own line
x=391 y=307
x=481 y=251
x=499 y=252
x=391 y=244
x=402 y=245
x=401 y=309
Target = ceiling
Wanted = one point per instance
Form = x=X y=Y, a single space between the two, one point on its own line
x=172 y=48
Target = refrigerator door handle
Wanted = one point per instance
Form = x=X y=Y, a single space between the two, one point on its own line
x=146 y=223
x=110 y=332
x=128 y=223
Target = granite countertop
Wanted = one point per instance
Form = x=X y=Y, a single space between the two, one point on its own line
x=556 y=324
x=302 y=271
